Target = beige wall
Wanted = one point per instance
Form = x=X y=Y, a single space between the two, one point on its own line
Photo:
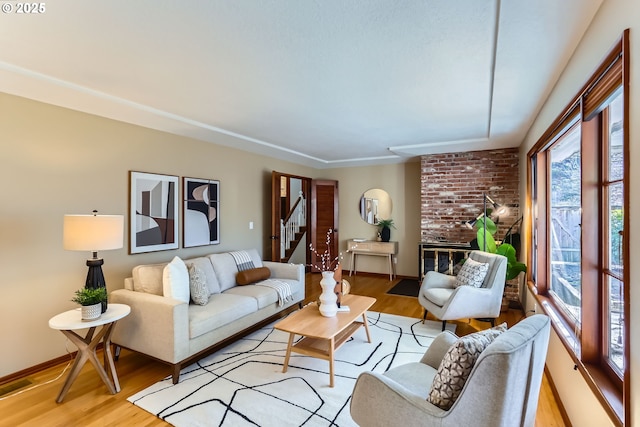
x=402 y=182
x=611 y=20
x=57 y=161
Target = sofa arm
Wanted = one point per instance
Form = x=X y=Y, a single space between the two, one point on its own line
x=379 y=401
x=157 y=326
x=285 y=271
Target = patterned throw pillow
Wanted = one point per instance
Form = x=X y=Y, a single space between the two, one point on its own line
x=198 y=285
x=472 y=273
x=456 y=365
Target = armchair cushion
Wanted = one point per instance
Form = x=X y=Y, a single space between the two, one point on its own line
x=456 y=365
x=472 y=273
x=438 y=296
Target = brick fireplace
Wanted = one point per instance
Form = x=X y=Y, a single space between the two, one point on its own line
x=452 y=185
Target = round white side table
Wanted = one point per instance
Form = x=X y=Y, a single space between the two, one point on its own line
x=70 y=321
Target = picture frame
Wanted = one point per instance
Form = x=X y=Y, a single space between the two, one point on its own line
x=200 y=212
x=153 y=212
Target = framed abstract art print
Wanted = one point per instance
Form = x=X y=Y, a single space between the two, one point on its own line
x=201 y=212
x=153 y=212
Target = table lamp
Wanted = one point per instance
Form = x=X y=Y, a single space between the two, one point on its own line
x=93 y=233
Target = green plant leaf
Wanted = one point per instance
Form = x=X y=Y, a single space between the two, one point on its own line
x=513 y=266
x=507 y=250
x=491 y=243
x=513 y=269
x=492 y=228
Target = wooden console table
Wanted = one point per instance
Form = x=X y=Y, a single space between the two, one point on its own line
x=370 y=247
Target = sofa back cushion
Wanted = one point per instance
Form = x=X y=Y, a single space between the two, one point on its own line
x=148 y=278
x=204 y=264
x=226 y=269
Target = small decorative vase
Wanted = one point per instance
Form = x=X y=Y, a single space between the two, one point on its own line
x=91 y=312
x=385 y=234
x=328 y=298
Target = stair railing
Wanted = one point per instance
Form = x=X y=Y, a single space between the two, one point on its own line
x=290 y=225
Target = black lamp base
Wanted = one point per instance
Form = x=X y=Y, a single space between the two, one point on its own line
x=95 y=278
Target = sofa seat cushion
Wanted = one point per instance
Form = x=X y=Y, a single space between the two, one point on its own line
x=416 y=377
x=264 y=296
x=295 y=286
x=438 y=296
x=220 y=310
x=204 y=263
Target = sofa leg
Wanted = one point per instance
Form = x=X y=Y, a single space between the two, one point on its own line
x=116 y=352
x=493 y=323
x=424 y=316
x=444 y=325
x=300 y=305
x=176 y=373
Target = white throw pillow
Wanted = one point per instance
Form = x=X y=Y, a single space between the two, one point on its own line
x=472 y=273
x=175 y=280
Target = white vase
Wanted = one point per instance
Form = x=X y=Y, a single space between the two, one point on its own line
x=91 y=312
x=328 y=298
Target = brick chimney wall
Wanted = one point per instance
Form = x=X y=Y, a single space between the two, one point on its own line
x=452 y=185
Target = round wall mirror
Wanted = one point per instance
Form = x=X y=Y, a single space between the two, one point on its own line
x=375 y=204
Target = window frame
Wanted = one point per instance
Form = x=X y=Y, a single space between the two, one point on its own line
x=585 y=344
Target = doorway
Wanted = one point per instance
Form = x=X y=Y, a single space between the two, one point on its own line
x=311 y=206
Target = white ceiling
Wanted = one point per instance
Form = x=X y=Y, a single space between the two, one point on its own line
x=324 y=83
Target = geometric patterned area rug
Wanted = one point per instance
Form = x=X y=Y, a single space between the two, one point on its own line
x=243 y=383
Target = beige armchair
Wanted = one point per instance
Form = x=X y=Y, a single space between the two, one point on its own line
x=502 y=389
x=439 y=296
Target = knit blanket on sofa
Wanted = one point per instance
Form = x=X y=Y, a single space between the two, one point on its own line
x=244 y=262
x=281 y=287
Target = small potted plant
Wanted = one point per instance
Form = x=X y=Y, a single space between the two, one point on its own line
x=91 y=302
x=385 y=228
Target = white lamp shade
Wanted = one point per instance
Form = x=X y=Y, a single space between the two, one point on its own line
x=93 y=232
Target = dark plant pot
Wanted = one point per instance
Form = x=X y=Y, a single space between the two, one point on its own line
x=385 y=234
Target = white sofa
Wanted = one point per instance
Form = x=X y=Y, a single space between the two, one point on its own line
x=178 y=332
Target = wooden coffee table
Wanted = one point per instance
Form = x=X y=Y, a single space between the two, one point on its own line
x=324 y=335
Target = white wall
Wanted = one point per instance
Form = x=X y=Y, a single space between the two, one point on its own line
x=611 y=20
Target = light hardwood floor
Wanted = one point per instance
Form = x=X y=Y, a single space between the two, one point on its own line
x=89 y=403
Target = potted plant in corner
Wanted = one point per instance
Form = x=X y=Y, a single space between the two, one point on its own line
x=91 y=302
x=514 y=267
x=385 y=228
